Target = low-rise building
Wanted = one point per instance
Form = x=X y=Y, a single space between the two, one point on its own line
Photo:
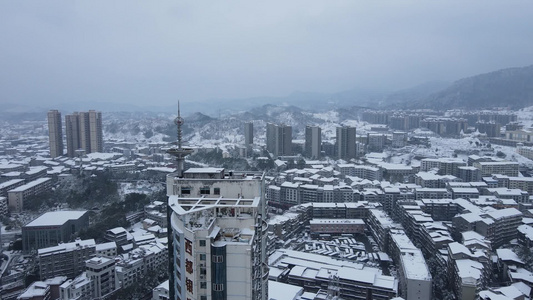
x=9 y=185
x=469 y=270
x=415 y=279
x=352 y=280
x=52 y=228
x=498 y=226
x=433 y=193
x=106 y=249
x=489 y=168
x=161 y=291
x=517 y=195
x=119 y=235
x=79 y=288
x=336 y=226
x=101 y=271
x=17 y=195
x=65 y=259
x=38 y=290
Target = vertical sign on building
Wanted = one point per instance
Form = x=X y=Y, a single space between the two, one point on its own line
x=189 y=267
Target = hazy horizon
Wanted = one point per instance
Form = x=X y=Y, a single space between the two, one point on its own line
x=155 y=53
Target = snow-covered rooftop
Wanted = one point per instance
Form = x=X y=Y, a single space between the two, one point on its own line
x=56 y=218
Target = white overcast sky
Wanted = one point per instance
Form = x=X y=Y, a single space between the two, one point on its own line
x=154 y=52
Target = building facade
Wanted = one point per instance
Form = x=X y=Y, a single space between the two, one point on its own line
x=84 y=131
x=101 y=272
x=55 y=133
x=17 y=195
x=217 y=236
x=66 y=259
x=313 y=142
x=52 y=228
x=345 y=144
x=279 y=139
x=248 y=133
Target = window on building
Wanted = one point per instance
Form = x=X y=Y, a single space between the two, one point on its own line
x=202 y=256
x=218 y=287
x=216 y=191
x=205 y=190
x=203 y=284
x=185 y=190
x=217 y=258
x=202 y=243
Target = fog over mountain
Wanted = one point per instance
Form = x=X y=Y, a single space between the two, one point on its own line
x=511 y=88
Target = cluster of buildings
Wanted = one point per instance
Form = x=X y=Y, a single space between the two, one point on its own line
x=279 y=141
x=449 y=124
x=452 y=218
x=84 y=269
x=436 y=226
x=83 y=131
x=387 y=183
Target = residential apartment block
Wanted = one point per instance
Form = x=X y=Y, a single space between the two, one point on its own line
x=55 y=133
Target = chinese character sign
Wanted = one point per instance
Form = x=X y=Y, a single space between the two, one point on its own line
x=189 y=284
x=189 y=266
x=188 y=246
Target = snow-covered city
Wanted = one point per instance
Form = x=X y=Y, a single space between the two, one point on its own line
x=266 y=150
x=373 y=204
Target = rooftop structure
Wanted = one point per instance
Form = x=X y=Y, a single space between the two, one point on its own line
x=179 y=152
x=313 y=271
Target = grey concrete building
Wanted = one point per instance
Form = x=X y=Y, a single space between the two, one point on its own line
x=55 y=133
x=51 y=228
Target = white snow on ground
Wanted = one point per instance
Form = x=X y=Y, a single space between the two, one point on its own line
x=329 y=116
x=525 y=116
x=512 y=155
x=141 y=187
x=137 y=138
x=445 y=147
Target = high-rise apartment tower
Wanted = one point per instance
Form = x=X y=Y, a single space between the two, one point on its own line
x=248 y=133
x=313 y=141
x=55 y=133
x=345 y=146
x=84 y=131
x=279 y=139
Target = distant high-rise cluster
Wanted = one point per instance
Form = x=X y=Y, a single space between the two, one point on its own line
x=279 y=139
x=55 y=133
x=84 y=131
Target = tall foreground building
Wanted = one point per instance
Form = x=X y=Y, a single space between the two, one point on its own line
x=217 y=232
x=55 y=133
x=84 y=131
x=218 y=236
x=313 y=141
x=345 y=146
x=279 y=139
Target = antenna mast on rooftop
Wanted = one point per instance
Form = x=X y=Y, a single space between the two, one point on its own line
x=179 y=152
